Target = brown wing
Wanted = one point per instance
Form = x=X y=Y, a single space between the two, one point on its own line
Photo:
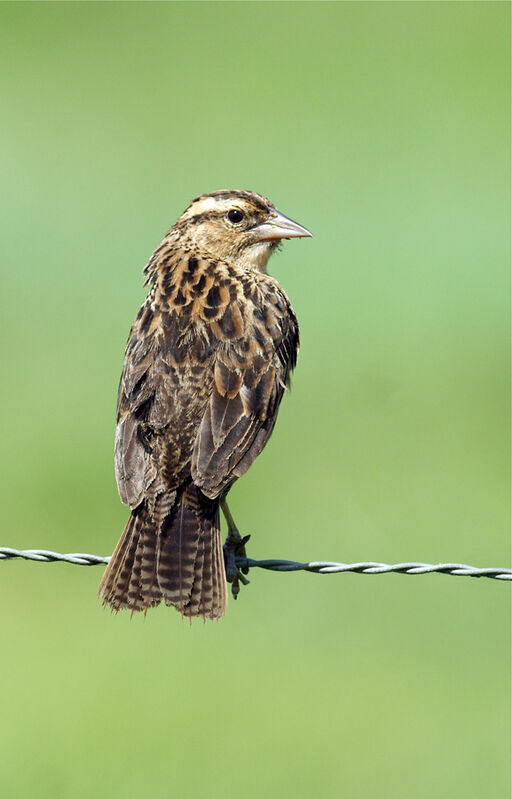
x=164 y=389
x=132 y=458
x=244 y=402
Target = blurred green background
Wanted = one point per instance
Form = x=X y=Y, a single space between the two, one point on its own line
x=384 y=128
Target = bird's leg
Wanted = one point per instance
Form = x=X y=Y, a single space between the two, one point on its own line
x=234 y=547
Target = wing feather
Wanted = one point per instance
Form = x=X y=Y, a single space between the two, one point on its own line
x=242 y=411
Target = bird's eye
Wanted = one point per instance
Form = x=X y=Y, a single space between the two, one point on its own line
x=235 y=216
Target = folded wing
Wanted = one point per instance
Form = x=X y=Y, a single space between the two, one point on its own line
x=242 y=410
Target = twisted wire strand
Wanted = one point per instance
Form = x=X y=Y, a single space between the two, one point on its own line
x=372 y=567
x=47 y=556
x=317 y=567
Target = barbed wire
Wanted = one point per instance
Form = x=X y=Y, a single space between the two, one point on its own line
x=47 y=556
x=317 y=567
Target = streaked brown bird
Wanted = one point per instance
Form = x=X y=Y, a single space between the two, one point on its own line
x=206 y=364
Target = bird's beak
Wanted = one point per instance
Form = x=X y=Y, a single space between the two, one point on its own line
x=278 y=226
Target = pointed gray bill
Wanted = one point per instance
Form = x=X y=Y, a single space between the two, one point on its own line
x=279 y=226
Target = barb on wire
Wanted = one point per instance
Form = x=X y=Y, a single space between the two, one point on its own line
x=318 y=567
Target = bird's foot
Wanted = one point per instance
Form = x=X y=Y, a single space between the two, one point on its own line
x=234 y=551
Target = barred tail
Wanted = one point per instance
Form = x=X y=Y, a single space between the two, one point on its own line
x=179 y=561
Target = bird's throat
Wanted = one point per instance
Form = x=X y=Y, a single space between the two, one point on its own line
x=256 y=256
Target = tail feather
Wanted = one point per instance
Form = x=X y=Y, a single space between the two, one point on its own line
x=220 y=593
x=179 y=561
x=149 y=583
x=134 y=597
x=217 y=572
x=179 y=541
x=199 y=595
x=116 y=578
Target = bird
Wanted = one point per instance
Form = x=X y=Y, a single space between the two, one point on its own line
x=207 y=361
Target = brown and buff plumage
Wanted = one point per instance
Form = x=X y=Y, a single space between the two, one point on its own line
x=206 y=364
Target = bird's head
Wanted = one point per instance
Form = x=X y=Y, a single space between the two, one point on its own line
x=237 y=225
